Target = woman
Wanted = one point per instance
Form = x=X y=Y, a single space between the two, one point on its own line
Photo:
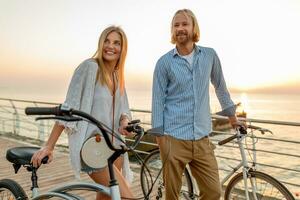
x=97 y=87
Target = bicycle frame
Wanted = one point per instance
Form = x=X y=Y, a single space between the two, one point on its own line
x=244 y=164
x=65 y=113
x=113 y=190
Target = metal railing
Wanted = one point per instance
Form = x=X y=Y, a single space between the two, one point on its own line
x=277 y=154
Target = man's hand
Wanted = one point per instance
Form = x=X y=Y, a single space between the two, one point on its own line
x=233 y=120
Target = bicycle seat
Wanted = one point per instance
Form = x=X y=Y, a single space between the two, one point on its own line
x=20 y=155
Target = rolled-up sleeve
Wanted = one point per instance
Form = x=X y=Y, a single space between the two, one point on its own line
x=125 y=110
x=74 y=94
x=218 y=81
x=159 y=87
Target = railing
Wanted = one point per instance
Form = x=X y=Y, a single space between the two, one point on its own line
x=277 y=154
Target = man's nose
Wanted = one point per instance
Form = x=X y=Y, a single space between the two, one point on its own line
x=180 y=28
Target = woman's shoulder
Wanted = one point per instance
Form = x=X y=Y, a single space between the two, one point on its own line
x=87 y=65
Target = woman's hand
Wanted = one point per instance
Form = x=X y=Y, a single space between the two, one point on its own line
x=122 y=128
x=38 y=156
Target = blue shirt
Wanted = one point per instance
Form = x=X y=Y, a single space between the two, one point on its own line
x=180 y=95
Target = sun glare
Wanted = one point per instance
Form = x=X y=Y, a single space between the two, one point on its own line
x=244 y=107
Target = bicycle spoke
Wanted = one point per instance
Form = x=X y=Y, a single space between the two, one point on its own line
x=260 y=187
x=6 y=195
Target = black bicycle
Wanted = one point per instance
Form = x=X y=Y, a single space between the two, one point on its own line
x=21 y=156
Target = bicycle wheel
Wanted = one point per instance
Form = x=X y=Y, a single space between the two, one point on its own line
x=10 y=190
x=153 y=170
x=266 y=187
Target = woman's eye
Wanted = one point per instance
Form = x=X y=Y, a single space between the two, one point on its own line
x=117 y=43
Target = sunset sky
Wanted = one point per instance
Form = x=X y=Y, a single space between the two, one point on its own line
x=42 y=41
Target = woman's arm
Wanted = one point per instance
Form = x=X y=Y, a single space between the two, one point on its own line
x=47 y=150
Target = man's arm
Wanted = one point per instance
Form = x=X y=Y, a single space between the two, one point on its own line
x=218 y=81
x=159 y=87
x=228 y=107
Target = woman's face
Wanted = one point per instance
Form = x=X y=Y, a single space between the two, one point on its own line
x=112 y=47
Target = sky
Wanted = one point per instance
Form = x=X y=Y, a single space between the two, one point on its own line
x=43 y=41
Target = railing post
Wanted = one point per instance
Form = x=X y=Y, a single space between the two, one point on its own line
x=41 y=130
x=16 y=118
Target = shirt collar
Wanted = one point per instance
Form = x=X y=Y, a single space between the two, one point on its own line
x=196 y=48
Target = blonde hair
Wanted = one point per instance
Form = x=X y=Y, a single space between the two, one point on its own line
x=196 y=30
x=103 y=70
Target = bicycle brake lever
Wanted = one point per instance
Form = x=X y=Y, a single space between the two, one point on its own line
x=136 y=121
x=64 y=118
x=263 y=131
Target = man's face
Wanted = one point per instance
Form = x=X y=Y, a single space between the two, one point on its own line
x=183 y=29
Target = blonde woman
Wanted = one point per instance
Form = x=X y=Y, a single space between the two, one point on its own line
x=97 y=87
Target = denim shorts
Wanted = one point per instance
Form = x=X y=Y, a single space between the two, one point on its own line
x=89 y=170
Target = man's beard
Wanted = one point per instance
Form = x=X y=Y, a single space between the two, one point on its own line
x=182 y=38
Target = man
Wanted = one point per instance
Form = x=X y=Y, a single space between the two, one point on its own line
x=180 y=108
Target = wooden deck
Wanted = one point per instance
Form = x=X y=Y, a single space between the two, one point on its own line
x=49 y=176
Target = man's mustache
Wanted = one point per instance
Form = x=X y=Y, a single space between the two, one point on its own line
x=181 y=33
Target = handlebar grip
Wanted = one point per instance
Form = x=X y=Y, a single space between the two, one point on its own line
x=43 y=110
x=242 y=130
x=129 y=128
x=227 y=140
x=45 y=160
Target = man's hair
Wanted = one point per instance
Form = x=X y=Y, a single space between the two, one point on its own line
x=196 y=30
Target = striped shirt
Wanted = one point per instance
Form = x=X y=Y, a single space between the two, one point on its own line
x=180 y=95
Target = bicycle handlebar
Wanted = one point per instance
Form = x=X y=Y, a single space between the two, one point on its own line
x=242 y=131
x=43 y=111
x=227 y=140
x=65 y=113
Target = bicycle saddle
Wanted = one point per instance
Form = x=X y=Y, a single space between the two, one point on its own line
x=20 y=155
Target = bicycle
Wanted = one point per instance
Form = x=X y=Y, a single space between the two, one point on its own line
x=248 y=184
x=21 y=156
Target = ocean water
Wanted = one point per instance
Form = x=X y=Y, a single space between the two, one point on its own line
x=285 y=107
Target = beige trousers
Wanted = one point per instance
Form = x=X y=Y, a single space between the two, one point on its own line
x=200 y=156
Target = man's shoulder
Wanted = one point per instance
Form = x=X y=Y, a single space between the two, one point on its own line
x=207 y=50
x=166 y=57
